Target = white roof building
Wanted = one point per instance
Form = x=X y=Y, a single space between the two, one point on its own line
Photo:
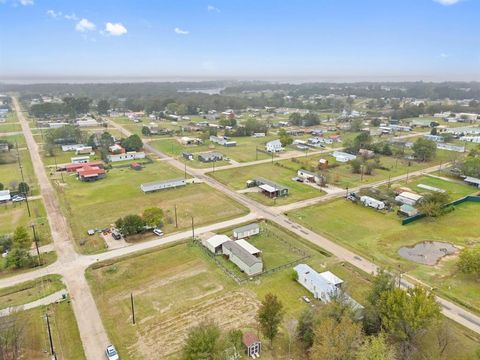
x=5 y=195
x=249 y=247
x=214 y=244
x=408 y=198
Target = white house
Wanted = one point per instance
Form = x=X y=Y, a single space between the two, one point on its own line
x=274 y=146
x=343 y=157
x=408 y=198
x=80 y=159
x=72 y=147
x=323 y=286
x=246 y=231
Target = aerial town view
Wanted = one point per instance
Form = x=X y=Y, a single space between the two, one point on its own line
x=233 y=180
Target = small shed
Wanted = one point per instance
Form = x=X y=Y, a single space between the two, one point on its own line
x=408 y=198
x=252 y=344
x=246 y=231
x=5 y=195
x=136 y=166
x=214 y=244
x=407 y=210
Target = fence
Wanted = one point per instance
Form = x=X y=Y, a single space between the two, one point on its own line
x=469 y=198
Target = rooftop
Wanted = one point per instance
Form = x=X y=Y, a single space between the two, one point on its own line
x=241 y=253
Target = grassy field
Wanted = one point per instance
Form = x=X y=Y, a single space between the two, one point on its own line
x=47 y=259
x=178 y=286
x=456 y=190
x=282 y=174
x=99 y=204
x=378 y=236
x=10 y=127
x=16 y=214
x=10 y=174
x=65 y=334
x=29 y=291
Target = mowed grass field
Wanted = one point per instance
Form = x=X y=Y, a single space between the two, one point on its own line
x=29 y=291
x=280 y=172
x=378 y=236
x=65 y=334
x=177 y=287
x=10 y=174
x=91 y=205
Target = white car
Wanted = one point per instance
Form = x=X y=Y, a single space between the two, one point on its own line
x=18 y=198
x=112 y=353
x=306 y=299
x=158 y=232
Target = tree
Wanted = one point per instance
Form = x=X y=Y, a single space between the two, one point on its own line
x=202 y=342
x=233 y=343
x=153 y=217
x=21 y=239
x=336 y=340
x=408 y=314
x=471 y=167
x=12 y=332
x=132 y=143
x=23 y=188
x=130 y=225
x=424 y=149
x=182 y=110
x=376 y=348
x=362 y=141
x=270 y=315
x=356 y=125
x=103 y=106
x=295 y=118
x=305 y=327
x=285 y=139
x=92 y=141
x=19 y=258
x=106 y=140
x=469 y=260
x=433 y=204
x=146 y=131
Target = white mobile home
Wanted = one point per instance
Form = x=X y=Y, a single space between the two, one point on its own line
x=323 y=286
x=80 y=159
x=408 y=198
x=131 y=155
x=246 y=231
x=248 y=263
x=343 y=157
x=373 y=203
x=160 y=185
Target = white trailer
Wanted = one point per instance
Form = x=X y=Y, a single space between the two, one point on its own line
x=373 y=203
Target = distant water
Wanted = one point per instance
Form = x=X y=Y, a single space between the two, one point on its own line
x=215 y=91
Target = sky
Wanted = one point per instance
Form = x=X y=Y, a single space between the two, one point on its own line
x=314 y=40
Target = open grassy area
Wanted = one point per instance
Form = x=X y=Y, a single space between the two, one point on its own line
x=280 y=172
x=16 y=214
x=65 y=334
x=29 y=291
x=10 y=174
x=176 y=287
x=10 y=127
x=98 y=204
x=378 y=236
x=456 y=189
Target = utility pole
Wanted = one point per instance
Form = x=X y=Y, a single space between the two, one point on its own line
x=347 y=192
x=23 y=179
x=272 y=157
x=133 y=308
x=52 y=350
x=185 y=172
x=176 y=219
x=213 y=164
x=256 y=152
x=35 y=239
x=193 y=230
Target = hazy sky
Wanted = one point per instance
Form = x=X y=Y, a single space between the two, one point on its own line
x=412 y=39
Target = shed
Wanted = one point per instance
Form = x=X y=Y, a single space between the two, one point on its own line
x=408 y=198
x=407 y=210
x=249 y=247
x=252 y=344
x=248 y=263
x=5 y=195
x=472 y=181
x=270 y=188
x=214 y=244
x=246 y=231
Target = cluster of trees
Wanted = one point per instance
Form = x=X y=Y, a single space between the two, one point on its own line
x=434 y=204
x=396 y=325
x=249 y=127
x=285 y=139
x=309 y=119
x=135 y=224
x=471 y=166
x=69 y=134
x=424 y=149
x=18 y=247
x=132 y=143
x=71 y=106
x=469 y=261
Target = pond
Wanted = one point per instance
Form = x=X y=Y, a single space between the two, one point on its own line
x=427 y=252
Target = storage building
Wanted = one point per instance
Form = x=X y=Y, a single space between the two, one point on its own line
x=248 y=263
x=246 y=231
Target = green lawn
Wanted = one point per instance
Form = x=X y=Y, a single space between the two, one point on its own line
x=11 y=118
x=16 y=214
x=65 y=334
x=177 y=286
x=378 y=236
x=98 y=204
x=280 y=172
x=10 y=174
x=47 y=259
x=456 y=190
x=10 y=127
x=29 y=291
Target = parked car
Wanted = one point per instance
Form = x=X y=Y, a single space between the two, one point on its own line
x=116 y=234
x=18 y=198
x=306 y=299
x=112 y=353
x=158 y=232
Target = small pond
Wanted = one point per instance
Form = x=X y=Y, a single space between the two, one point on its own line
x=427 y=252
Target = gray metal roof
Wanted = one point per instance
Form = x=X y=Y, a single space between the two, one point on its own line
x=278 y=187
x=241 y=253
x=246 y=228
x=161 y=182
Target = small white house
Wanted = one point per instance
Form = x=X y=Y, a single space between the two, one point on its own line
x=246 y=231
x=80 y=159
x=323 y=286
x=72 y=147
x=373 y=203
x=408 y=198
x=160 y=185
x=131 y=155
x=343 y=157
x=274 y=146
